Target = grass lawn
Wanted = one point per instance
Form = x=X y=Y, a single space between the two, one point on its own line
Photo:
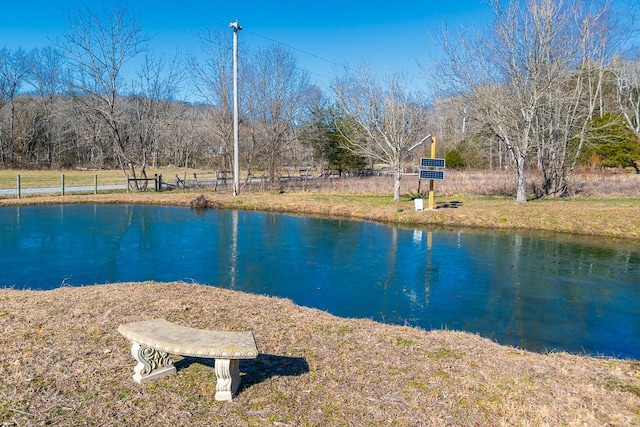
x=48 y=178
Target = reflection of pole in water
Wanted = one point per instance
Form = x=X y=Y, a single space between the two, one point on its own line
x=234 y=249
x=517 y=248
x=392 y=257
x=427 y=281
x=518 y=328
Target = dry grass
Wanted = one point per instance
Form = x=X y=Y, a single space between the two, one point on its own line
x=63 y=363
x=584 y=184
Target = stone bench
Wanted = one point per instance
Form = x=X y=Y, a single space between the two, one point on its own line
x=154 y=341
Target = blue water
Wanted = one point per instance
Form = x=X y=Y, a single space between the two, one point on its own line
x=539 y=292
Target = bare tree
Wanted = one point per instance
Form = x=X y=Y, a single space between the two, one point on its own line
x=276 y=98
x=384 y=120
x=47 y=78
x=570 y=105
x=213 y=83
x=458 y=126
x=627 y=81
x=514 y=72
x=190 y=136
x=158 y=83
x=14 y=69
x=98 y=45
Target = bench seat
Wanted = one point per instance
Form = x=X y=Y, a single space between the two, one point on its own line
x=154 y=341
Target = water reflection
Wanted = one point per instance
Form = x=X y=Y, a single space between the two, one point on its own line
x=550 y=292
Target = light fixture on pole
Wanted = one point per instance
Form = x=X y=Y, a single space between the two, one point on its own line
x=419 y=143
x=236 y=158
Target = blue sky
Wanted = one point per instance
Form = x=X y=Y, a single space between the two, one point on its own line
x=387 y=35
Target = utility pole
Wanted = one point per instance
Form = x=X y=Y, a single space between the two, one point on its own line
x=236 y=157
x=431 y=183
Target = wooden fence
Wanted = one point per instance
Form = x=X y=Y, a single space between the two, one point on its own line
x=288 y=179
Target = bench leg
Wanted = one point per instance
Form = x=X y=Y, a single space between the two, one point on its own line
x=228 y=374
x=152 y=363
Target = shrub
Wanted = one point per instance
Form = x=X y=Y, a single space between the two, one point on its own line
x=612 y=143
x=454 y=160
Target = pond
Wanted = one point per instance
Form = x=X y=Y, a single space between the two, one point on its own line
x=541 y=292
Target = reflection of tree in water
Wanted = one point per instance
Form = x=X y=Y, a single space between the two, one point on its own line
x=119 y=227
x=551 y=289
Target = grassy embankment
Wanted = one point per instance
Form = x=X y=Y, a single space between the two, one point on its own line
x=63 y=363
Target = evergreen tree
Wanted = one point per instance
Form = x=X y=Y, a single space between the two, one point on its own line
x=329 y=145
x=613 y=143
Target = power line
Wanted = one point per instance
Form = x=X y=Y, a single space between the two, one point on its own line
x=225 y=23
x=262 y=36
x=295 y=48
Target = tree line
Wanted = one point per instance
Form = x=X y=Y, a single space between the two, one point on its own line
x=548 y=85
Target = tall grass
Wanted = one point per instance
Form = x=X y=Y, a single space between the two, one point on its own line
x=603 y=184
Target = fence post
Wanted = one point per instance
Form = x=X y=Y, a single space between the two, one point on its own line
x=127 y=183
x=62 y=184
x=18 y=185
x=95 y=184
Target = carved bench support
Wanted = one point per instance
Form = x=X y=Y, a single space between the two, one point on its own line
x=155 y=340
x=152 y=364
x=228 y=374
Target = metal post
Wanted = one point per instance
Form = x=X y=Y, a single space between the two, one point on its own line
x=431 y=184
x=95 y=184
x=62 y=185
x=18 y=184
x=236 y=157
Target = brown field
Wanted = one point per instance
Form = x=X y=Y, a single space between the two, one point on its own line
x=63 y=363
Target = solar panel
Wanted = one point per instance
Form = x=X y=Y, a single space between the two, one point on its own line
x=431 y=163
x=431 y=174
